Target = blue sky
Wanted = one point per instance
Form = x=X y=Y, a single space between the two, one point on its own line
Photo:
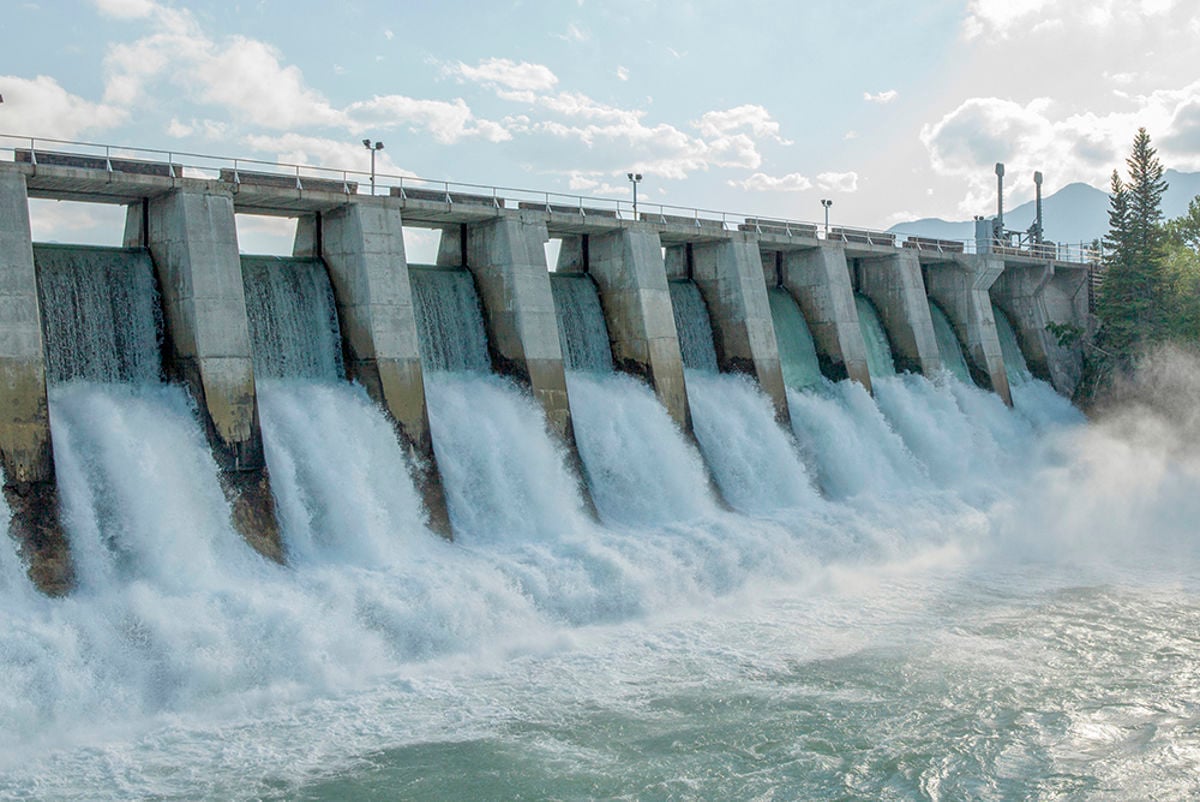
x=893 y=110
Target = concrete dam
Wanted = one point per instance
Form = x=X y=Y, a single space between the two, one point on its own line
x=703 y=334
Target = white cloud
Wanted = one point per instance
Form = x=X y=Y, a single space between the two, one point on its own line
x=1005 y=18
x=966 y=142
x=761 y=182
x=126 y=9
x=448 y=121
x=881 y=97
x=502 y=72
x=41 y=106
x=838 y=182
x=336 y=154
x=622 y=73
x=247 y=76
x=756 y=118
x=388 y=34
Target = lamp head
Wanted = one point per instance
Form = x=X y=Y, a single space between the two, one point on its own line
x=378 y=146
x=366 y=143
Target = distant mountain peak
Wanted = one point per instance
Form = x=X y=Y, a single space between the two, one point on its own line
x=1075 y=213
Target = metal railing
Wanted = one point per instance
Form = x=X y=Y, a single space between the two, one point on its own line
x=186 y=164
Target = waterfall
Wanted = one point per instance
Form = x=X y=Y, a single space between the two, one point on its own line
x=581 y=328
x=640 y=466
x=753 y=460
x=100 y=313
x=449 y=320
x=505 y=477
x=341 y=481
x=851 y=444
x=292 y=317
x=797 y=351
x=693 y=326
x=879 y=350
x=1014 y=361
x=948 y=346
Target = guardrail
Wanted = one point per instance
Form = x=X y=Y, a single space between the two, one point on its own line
x=184 y=164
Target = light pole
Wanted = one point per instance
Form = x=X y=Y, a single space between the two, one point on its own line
x=635 y=179
x=826 y=203
x=373 y=147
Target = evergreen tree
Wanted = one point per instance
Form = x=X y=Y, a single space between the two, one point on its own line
x=1135 y=298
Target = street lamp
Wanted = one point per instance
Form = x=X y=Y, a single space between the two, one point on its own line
x=372 y=146
x=826 y=203
x=635 y=179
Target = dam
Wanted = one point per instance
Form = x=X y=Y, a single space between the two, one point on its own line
x=700 y=333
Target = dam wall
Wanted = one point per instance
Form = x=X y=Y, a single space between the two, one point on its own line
x=628 y=268
x=25 y=447
x=192 y=237
x=960 y=286
x=362 y=245
x=894 y=284
x=188 y=226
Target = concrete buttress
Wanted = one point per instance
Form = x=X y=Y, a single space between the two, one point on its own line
x=961 y=288
x=627 y=267
x=819 y=280
x=192 y=236
x=1035 y=295
x=729 y=275
x=26 y=453
x=507 y=257
x=894 y=285
x=362 y=245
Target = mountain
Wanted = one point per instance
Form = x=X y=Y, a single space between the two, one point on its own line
x=1077 y=213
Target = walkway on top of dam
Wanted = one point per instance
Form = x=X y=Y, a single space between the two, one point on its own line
x=88 y=172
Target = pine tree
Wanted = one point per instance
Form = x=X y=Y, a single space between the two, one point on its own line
x=1135 y=297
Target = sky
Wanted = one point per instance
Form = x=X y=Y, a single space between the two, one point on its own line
x=894 y=111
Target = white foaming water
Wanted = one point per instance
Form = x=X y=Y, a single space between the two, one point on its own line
x=640 y=466
x=854 y=448
x=340 y=479
x=753 y=459
x=504 y=476
x=1005 y=644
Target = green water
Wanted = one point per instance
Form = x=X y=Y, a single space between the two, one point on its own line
x=879 y=349
x=797 y=351
x=1014 y=361
x=948 y=344
x=693 y=326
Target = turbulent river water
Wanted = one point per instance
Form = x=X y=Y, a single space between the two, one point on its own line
x=921 y=595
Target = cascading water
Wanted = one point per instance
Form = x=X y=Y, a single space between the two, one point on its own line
x=505 y=478
x=753 y=461
x=640 y=467
x=581 y=328
x=948 y=345
x=879 y=349
x=100 y=313
x=1014 y=361
x=293 y=319
x=797 y=351
x=693 y=326
x=449 y=320
x=1002 y=598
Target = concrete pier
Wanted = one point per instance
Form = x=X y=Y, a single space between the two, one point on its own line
x=26 y=453
x=192 y=236
x=627 y=267
x=729 y=275
x=819 y=280
x=362 y=246
x=894 y=285
x=960 y=286
x=1034 y=295
x=507 y=257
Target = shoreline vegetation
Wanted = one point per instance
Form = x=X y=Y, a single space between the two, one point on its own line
x=1148 y=308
